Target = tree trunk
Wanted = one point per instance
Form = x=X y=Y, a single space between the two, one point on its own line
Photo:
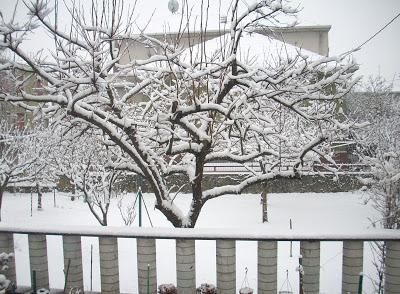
x=2 y=188
x=104 y=219
x=264 y=202
x=39 y=204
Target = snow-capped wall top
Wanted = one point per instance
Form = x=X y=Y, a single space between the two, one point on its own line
x=255 y=233
x=254 y=49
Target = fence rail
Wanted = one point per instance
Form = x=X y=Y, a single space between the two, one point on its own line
x=185 y=255
x=238 y=168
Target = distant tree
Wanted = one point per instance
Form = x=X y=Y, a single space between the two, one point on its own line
x=21 y=155
x=84 y=159
x=175 y=111
x=378 y=146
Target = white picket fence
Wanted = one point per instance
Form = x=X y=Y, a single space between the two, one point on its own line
x=185 y=256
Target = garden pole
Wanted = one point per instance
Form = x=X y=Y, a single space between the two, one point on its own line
x=360 y=281
x=31 y=202
x=140 y=207
x=91 y=268
x=301 y=275
x=139 y=193
x=66 y=272
x=54 y=196
x=34 y=282
x=291 y=243
x=148 y=279
x=147 y=211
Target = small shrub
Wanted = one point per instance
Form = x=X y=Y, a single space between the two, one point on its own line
x=167 y=289
x=206 y=289
x=4 y=260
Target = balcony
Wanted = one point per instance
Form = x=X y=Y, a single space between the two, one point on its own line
x=267 y=246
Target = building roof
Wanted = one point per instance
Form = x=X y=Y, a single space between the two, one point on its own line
x=313 y=38
x=254 y=49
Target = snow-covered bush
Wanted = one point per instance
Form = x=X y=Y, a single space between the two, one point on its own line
x=167 y=289
x=127 y=208
x=4 y=260
x=206 y=288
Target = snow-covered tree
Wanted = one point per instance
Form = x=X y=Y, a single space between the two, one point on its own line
x=378 y=146
x=183 y=106
x=84 y=160
x=21 y=155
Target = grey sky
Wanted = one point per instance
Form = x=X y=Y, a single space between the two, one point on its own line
x=352 y=23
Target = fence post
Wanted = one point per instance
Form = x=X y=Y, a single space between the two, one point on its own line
x=226 y=266
x=38 y=259
x=146 y=256
x=108 y=247
x=7 y=246
x=392 y=267
x=73 y=262
x=352 y=265
x=185 y=266
x=267 y=267
x=310 y=252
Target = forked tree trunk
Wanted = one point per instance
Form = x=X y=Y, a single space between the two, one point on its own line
x=105 y=222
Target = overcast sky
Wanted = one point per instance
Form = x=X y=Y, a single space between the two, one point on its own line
x=352 y=21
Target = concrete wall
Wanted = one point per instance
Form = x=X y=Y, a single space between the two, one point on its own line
x=316 y=184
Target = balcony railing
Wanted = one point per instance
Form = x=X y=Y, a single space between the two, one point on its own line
x=185 y=256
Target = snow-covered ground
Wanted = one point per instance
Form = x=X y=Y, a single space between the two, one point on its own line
x=308 y=211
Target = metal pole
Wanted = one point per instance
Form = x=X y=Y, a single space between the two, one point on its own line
x=291 y=243
x=91 y=268
x=148 y=279
x=147 y=211
x=140 y=207
x=301 y=274
x=360 y=281
x=139 y=193
x=34 y=282
x=66 y=272
x=31 y=202
x=54 y=196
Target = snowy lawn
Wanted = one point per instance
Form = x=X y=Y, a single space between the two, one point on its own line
x=308 y=211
